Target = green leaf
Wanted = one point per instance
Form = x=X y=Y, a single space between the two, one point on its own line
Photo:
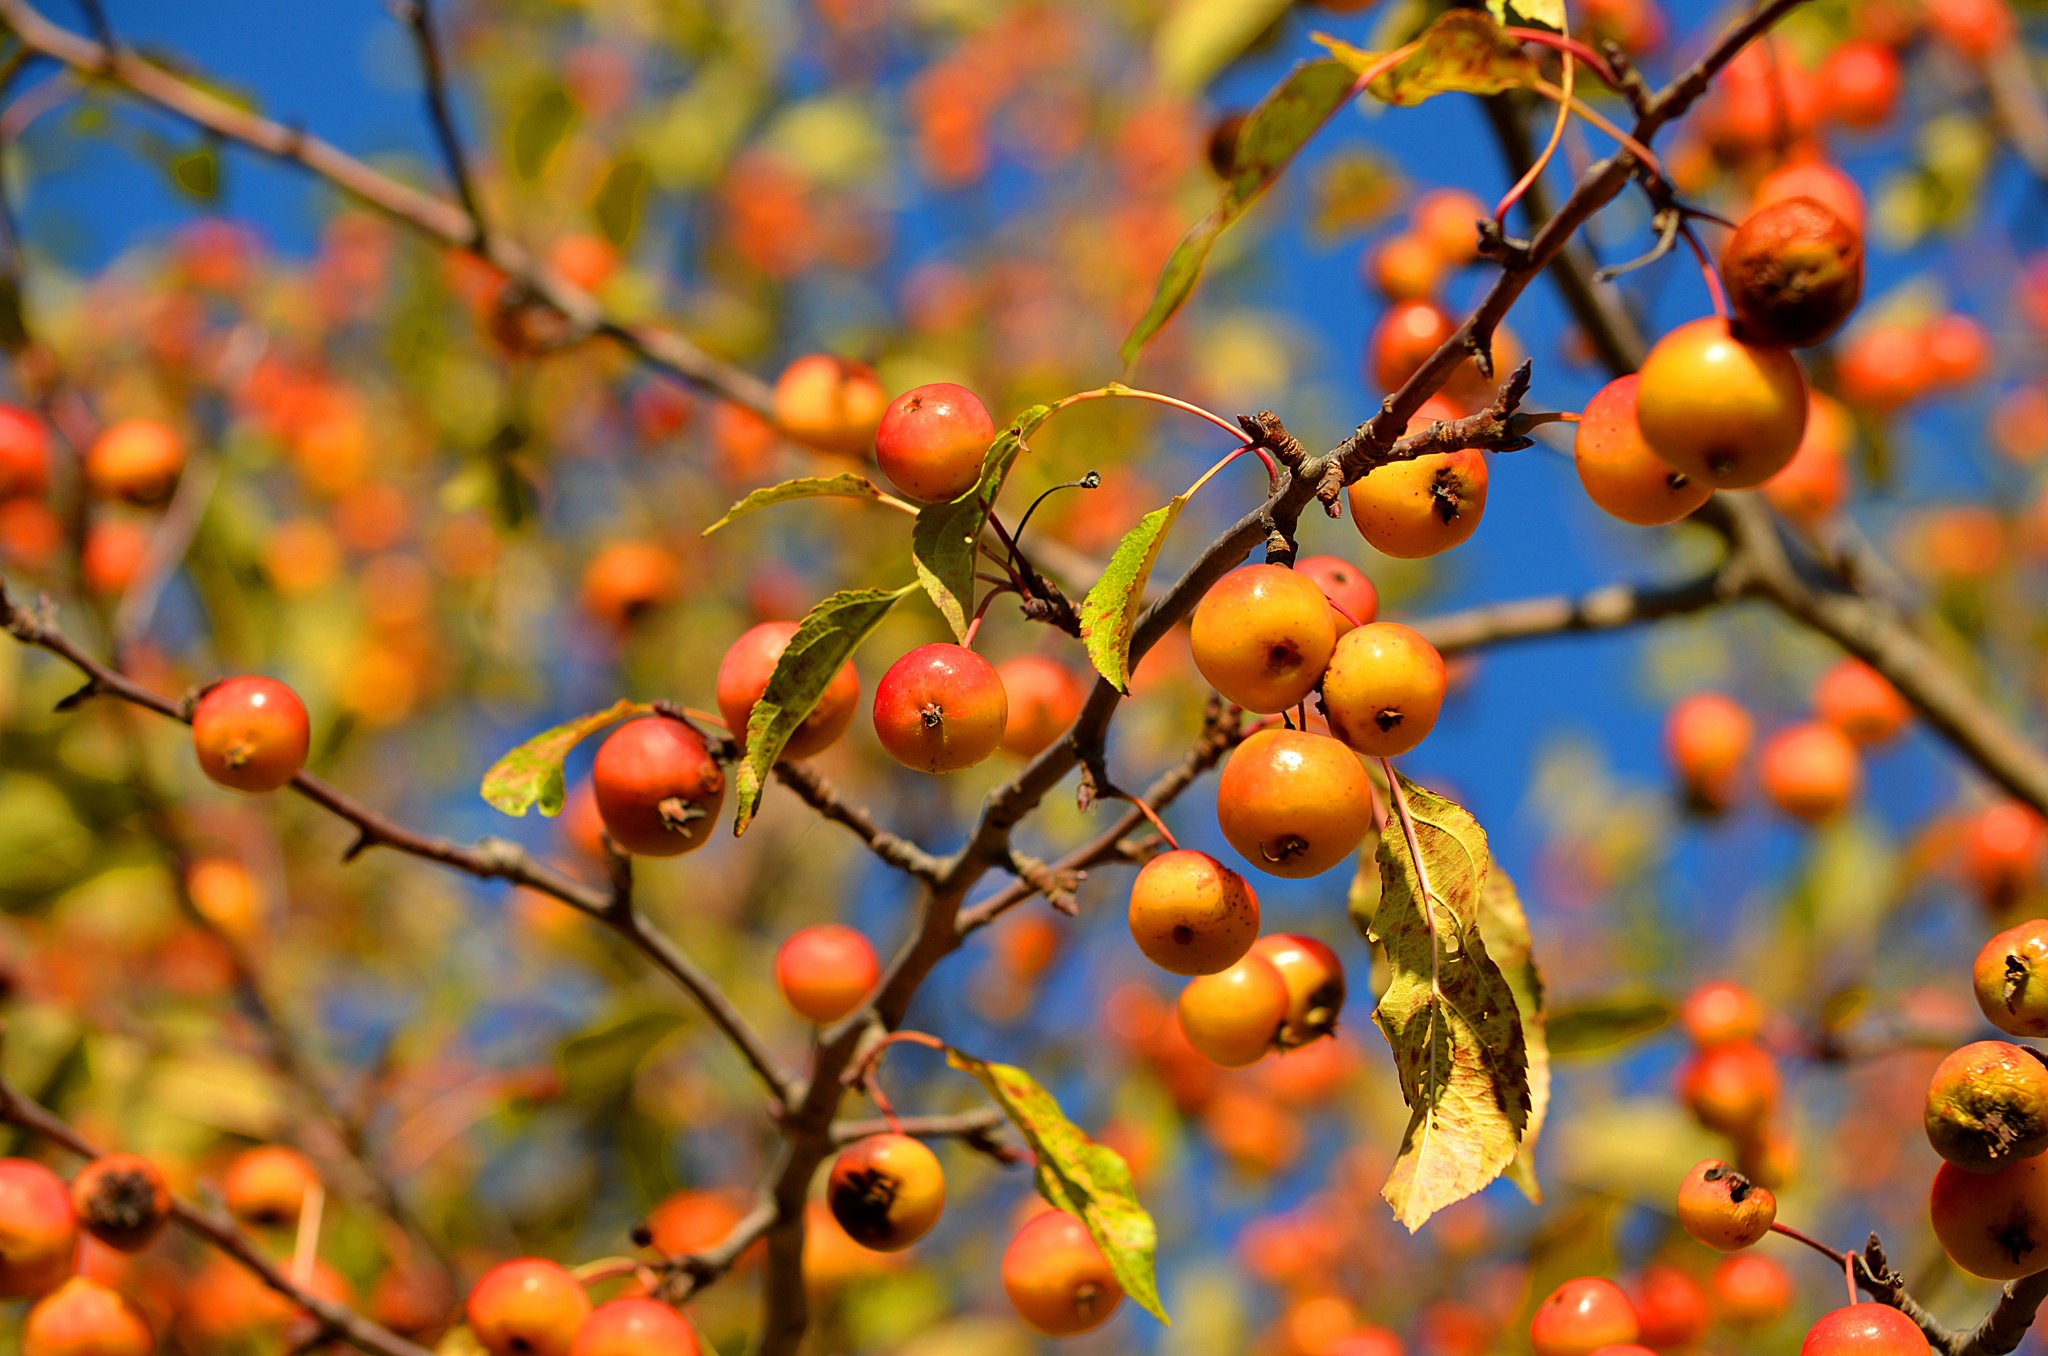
x=845 y=485
x=197 y=174
x=1463 y=52
x=824 y=640
x=1505 y=926
x=619 y=200
x=1448 y=1013
x=532 y=773
x=1089 y=1181
x=1549 y=13
x=1585 y=1028
x=942 y=544
x=1274 y=131
x=539 y=128
x=1110 y=611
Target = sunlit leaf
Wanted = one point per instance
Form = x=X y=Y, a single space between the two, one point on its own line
x=1448 y=1013
x=1354 y=189
x=1110 y=611
x=1549 y=13
x=1089 y=1181
x=1273 y=132
x=1584 y=1028
x=1463 y=52
x=531 y=774
x=619 y=200
x=942 y=544
x=824 y=640
x=1198 y=38
x=845 y=485
x=1505 y=927
x=538 y=129
x=197 y=174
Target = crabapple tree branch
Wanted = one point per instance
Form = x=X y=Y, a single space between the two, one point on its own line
x=217 y=1229
x=432 y=216
x=419 y=17
x=489 y=859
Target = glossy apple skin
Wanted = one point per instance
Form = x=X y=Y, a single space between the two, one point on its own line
x=1810 y=771
x=1993 y=1224
x=743 y=677
x=1293 y=803
x=1384 y=689
x=1619 y=471
x=1262 y=636
x=1723 y=1209
x=251 y=734
x=1235 y=1016
x=1057 y=1279
x=1866 y=1329
x=1315 y=985
x=1352 y=595
x=830 y=403
x=1192 y=915
x=635 y=1327
x=1725 y=413
x=886 y=1191
x=1580 y=1317
x=658 y=789
x=527 y=1307
x=1045 y=697
x=941 y=708
x=932 y=441
x=38 y=1229
x=826 y=972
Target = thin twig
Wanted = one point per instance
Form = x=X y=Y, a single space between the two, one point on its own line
x=418 y=16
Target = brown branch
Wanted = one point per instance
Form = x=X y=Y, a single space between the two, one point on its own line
x=432 y=216
x=489 y=859
x=1604 y=609
x=974 y=1128
x=221 y=1232
x=689 y=1273
x=892 y=848
x=418 y=17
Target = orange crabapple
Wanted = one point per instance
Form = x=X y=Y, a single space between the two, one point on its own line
x=1045 y=698
x=1262 y=636
x=527 y=1307
x=626 y=579
x=940 y=708
x=932 y=440
x=1752 y=1290
x=1815 y=483
x=1723 y=1209
x=266 y=1186
x=1233 y=1017
x=1619 y=471
x=826 y=971
x=2010 y=977
x=38 y=1229
x=832 y=404
x=251 y=734
x=1315 y=985
x=1865 y=1329
x=1730 y=1089
x=657 y=786
x=24 y=454
x=1352 y=596
x=1448 y=218
x=1816 y=179
x=1293 y=803
x=1993 y=1224
x=1707 y=737
x=1858 y=700
x=1860 y=80
x=1810 y=771
x=635 y=1327
x=1383 y=689
x=1406 y=267
x=1726 y=413
x=137 y=460
x=1722 y=1012
x=1580 y=1317
x=886 y=1191
x=1671 y=1306
x=122 y=1200
x=1057 y=1278
x=743 y=676
x=1424 y=505
x=1192 y=915
x=1794 y=272
x=1987 y=1105
x=85 y=1318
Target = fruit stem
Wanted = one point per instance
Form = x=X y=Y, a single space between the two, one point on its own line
x=1570 y=46
x=1210 y=474
x=1832 y=1254
x=1132 y=393
x=1535 y=170
x=1712 y=278
x=1157 y=823
x=1643 y=154
x=306 y=1247
x=974 y=626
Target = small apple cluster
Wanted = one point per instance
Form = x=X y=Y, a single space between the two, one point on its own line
x=130 y=469
x=1811 y=770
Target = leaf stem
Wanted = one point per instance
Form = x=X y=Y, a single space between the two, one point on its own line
x=1132 y=393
